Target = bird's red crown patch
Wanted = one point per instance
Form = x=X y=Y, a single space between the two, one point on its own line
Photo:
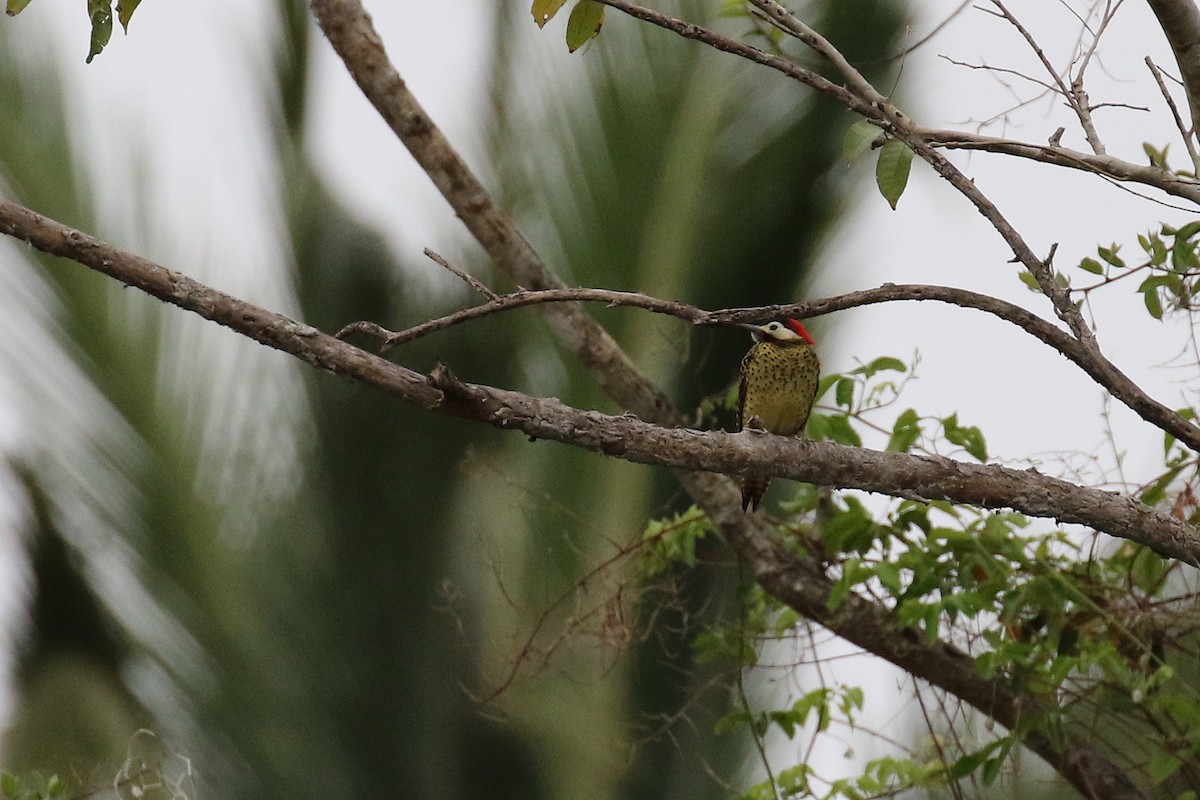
x=799 y=330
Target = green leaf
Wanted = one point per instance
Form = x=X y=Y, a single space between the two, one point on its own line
x=1183 y=256
x=1109 y=254
x=125 y=9
x=733 y=8
x=584 y=23
x=991 y=769
x=543 y=10
x=825 y=383
x=15 y=7
x=1158 y=158
x=853 y=697
x=841 y=432
x=1163 y=766
x=732 y=721
x=845 y=392
x=1148 y=570
x=968 y=437
x=1027 y=278
x=880 y=364
x=793 y=780
x=1168 y=439
x=891 y=170
x=970 y=762
x=10 y=784
x=1158 y=251
x=1149 y=290
x=852 y=529
x=100 y=12
x=1091 y=265
x=905 y=432
x=858 y=139
x=1187 y=231
x=1158 y=490
x=889 y=575
x=817 y=428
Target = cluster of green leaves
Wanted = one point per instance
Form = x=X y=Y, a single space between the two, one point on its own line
x=863 y=389
x=587 y=17
x=1074 y=632
x=1052 y=624
x=822 y=705
x=871 y=387
x=882 y=777
x=1170 y=264
x=100 y=12
x=33 y=786
x=669 y=542
x=893 y=165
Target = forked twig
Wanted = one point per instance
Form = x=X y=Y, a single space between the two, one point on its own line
x=1185 y=132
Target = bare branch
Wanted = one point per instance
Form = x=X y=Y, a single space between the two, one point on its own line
x=1047 y=88
x=1074 y=94
x=523 y=299
x=1106 y=165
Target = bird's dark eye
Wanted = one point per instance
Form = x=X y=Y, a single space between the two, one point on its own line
x=774 y=326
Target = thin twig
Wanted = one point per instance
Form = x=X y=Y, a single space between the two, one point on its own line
x=858 y=84
x=1184 y=132
x=1074 y=94
x=463 y=275
x=521 y=299
x=1095 y=365
x=912 y=48
x=1004 y=71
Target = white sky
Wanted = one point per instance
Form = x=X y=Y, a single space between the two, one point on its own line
x=181 y=90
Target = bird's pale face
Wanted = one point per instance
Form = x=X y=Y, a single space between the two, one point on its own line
x=780 y=330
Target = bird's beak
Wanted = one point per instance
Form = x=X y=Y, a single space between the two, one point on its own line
x=748 y=326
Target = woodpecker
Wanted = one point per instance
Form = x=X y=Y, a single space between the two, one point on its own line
x=777 y=389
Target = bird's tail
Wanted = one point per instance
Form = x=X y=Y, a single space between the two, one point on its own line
x=753 y=489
